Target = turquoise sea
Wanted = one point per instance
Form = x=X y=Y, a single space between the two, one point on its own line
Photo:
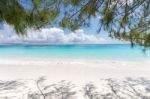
x=75 y=52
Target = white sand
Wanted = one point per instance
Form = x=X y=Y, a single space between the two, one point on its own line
x=78 y=72
x=72 y=70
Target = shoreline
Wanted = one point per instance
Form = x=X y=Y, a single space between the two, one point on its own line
x=66 y=60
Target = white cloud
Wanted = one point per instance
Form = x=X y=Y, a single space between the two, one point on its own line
x=50 y=36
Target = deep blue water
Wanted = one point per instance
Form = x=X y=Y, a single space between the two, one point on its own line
x=75 y=52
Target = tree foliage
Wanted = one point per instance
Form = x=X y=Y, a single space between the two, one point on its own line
x=123 y=19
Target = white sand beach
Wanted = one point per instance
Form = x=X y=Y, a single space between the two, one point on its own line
x=77 y=71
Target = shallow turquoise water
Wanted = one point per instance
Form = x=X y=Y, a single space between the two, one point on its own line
x=75 y=52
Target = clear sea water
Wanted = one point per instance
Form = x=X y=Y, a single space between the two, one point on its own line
x=75 y=52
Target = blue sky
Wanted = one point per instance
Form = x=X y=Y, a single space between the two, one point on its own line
x=57 y=34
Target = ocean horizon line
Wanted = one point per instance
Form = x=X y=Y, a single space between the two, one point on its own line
x=49 y=44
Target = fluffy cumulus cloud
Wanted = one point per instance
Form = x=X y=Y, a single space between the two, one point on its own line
x=50 y=36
